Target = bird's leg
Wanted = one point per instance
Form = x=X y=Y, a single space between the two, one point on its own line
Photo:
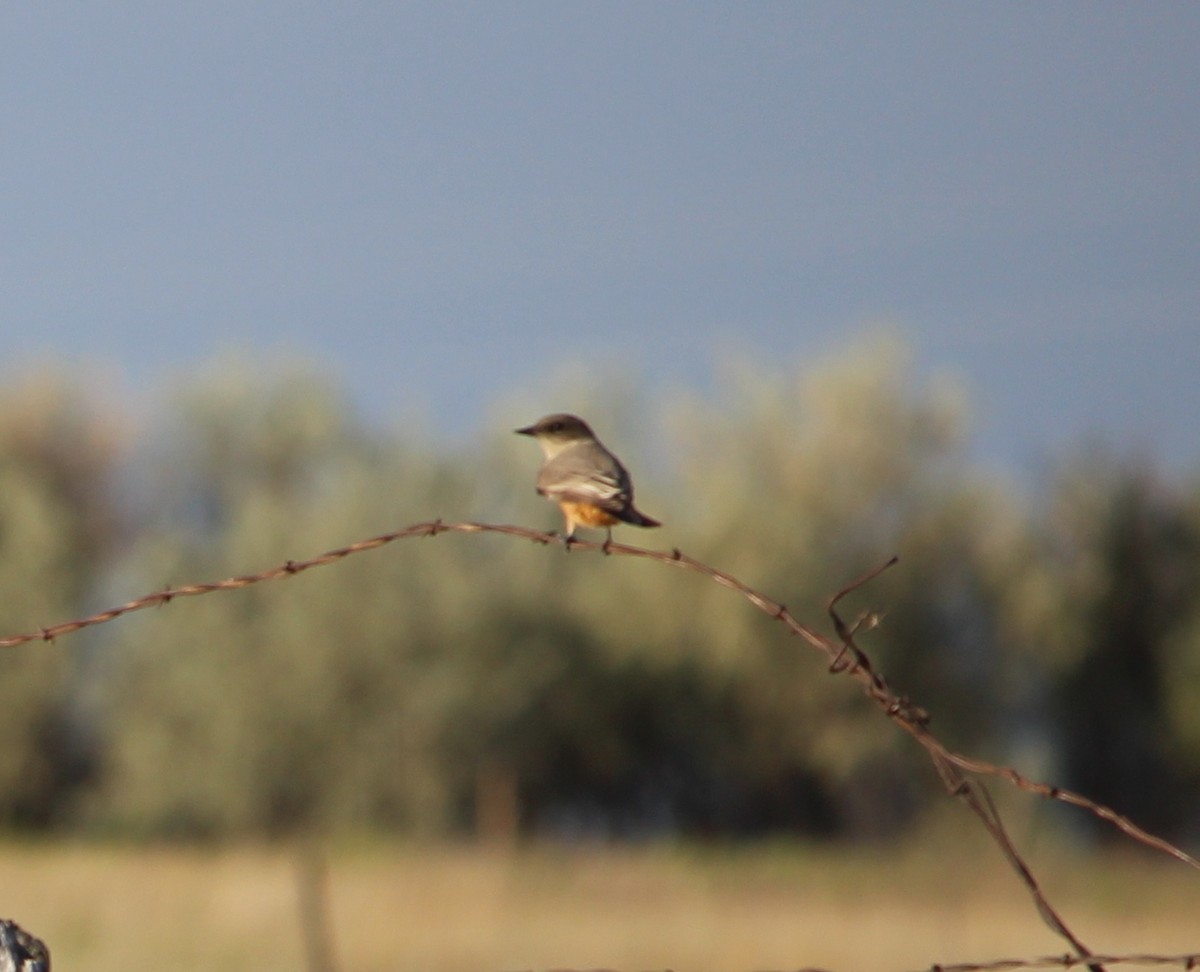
x=607 y=542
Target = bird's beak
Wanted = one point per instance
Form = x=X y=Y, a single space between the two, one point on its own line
x=528 y=430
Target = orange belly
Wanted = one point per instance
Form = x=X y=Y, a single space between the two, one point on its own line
x=587 y=515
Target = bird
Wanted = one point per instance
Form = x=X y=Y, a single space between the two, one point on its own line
x=589 y=484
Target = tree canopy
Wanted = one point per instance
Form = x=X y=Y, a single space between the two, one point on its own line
x=476 y=683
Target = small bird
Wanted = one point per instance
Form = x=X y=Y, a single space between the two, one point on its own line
x=588 y=482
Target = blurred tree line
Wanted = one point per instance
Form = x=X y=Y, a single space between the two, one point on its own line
x=474 y=683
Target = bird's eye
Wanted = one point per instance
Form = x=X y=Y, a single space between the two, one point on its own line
x=556 y=426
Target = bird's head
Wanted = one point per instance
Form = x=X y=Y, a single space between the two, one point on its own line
x=555 y=432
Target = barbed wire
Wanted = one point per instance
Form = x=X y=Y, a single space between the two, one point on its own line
x=845 y=657
x=288 y=569
x=1188 y=960
x=911 y=717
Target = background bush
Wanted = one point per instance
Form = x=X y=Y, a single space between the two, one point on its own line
x=476 y=682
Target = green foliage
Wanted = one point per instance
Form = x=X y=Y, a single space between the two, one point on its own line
x=800 y=483
x=382 y=690
x=56 y=523
x=1124 y=553
x=413 y=687
x=271 y=708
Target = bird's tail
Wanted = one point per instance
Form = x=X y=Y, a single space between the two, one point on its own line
x=630 y=515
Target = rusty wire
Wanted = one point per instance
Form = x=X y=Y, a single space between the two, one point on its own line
x=1188 y=960
x=909 y=716
x=845 y=657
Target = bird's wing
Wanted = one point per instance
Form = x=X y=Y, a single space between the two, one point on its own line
x=586 y=477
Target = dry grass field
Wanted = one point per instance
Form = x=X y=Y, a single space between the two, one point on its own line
x=462 y=909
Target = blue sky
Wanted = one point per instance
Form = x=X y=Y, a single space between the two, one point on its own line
x=443 y=203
